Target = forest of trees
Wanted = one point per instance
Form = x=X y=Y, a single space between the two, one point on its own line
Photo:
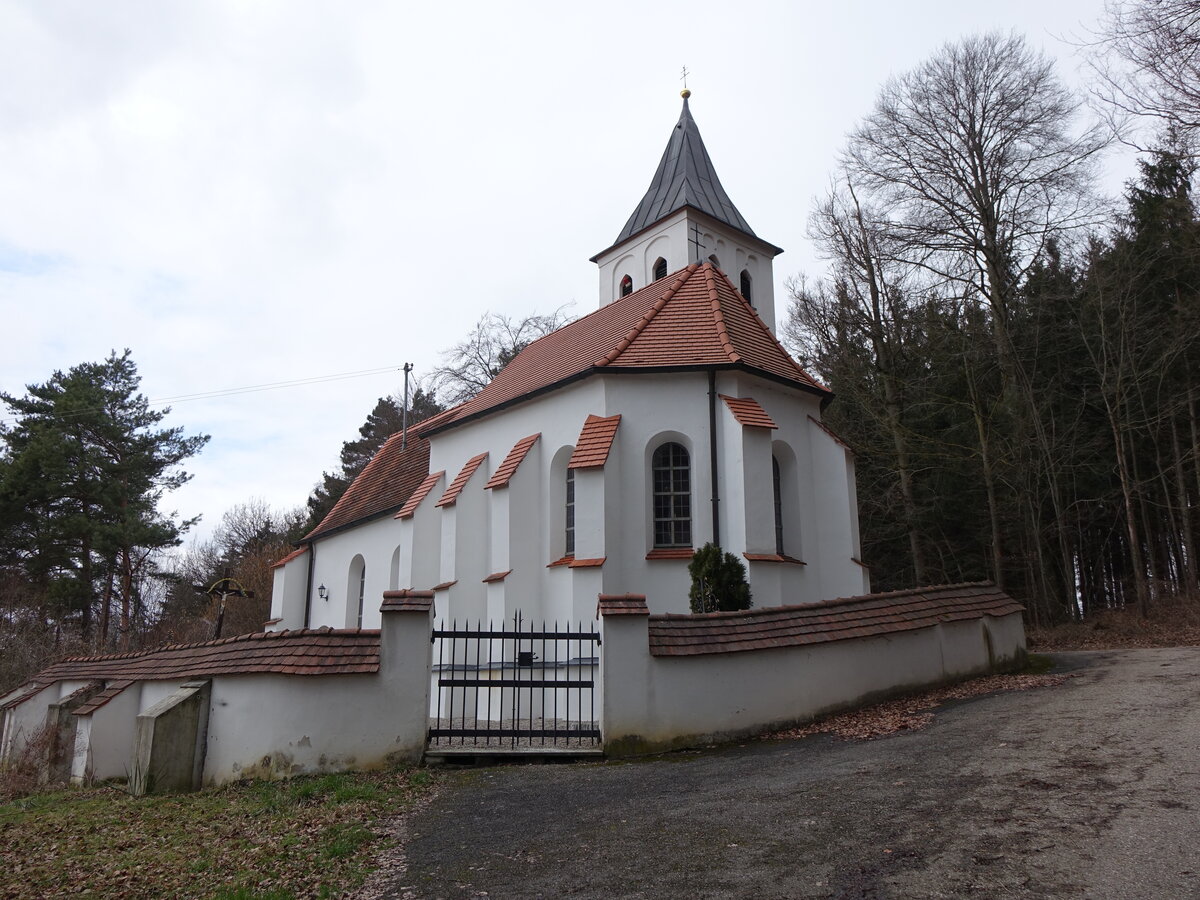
x=1013 y=357
x=1013 y=360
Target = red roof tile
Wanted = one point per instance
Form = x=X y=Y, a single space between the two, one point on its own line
x=295 y=554
x=23 y=692
x=595 y=440
x=594 y=562
x=497 y=576
x=407 y=601
x=508 y=468
x=747 y=411
x=832 y=620
x=694 y=318
x=422 y=491
x=460 y=481
x=388 y=480
x=671 y=553
x=111 y=690
x=320 y=651
x=622 y=605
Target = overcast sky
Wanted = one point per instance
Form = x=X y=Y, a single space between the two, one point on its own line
x=253 y=192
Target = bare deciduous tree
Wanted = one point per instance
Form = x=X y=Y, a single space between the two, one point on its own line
x=973 y=159
x=1146 y=59
x=473 y=362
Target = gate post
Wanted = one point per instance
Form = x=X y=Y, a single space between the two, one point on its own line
x=405 y=666
x=624 y=671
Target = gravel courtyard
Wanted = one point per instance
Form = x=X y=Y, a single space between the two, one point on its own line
x=1090 y=788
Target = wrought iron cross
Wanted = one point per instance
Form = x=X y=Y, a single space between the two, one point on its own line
x=684 y=76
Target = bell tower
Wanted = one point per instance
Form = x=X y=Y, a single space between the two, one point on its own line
x=686 y=217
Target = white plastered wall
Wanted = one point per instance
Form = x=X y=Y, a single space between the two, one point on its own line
x=105 y=736
x=287 y=594
x=658 y=702
x=376 y=541
x=671 y=239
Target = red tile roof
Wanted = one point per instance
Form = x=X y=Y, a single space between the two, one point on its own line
x=508 y=468
x=407 y=601
x=295 y=554
x=671 y=553
x=23 y=692
x=832 y=620
x=460 y=481
x=595 y=440
x=622 y=605
x=497 y=576
x=594 y=562
x=320 y=651
x=693 y=319
x=422 y=491
x=747 y=411
x=111 y=690
x=388 y=480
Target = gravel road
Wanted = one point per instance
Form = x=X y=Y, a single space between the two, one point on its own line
x=1086 y=789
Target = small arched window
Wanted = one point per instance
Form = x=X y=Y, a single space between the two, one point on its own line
x=660 y=268
x=713 y=259
x=569 y=544
x=626 y=286
x=746 y=286
x=672 y=496
x=777 y=494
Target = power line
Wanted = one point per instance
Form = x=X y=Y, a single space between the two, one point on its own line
x=230 y=392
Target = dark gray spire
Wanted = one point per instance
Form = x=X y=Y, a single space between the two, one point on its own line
x=685 y=177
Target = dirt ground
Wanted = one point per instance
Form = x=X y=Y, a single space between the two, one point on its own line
x=1090 y=788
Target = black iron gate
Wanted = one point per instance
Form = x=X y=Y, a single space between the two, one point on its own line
x=516 y=688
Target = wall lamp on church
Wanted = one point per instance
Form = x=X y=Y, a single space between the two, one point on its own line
x=323 y=593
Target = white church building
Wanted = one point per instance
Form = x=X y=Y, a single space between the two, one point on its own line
x=572 y=491
x=606 y=452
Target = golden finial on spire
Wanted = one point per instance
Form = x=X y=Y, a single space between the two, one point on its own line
x=685 y=93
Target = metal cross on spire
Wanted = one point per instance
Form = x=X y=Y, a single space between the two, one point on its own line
x=684 y=77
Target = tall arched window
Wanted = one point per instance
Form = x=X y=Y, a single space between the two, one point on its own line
x=672 y=496
x=356 y=591
x=626 y=286
x=746 y=286
x=570 y=506
x=777 y=494
x=660 y=268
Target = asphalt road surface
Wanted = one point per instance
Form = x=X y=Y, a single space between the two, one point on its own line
x=1086 y=789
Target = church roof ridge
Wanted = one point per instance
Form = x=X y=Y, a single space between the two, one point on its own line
x=685 y=177
x=683 y=275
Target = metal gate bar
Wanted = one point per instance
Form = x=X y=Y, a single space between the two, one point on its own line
x=529 y=715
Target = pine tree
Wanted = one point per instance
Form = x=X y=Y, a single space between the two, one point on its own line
x=82 y=472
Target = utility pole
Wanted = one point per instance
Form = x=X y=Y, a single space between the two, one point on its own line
x=404 y=411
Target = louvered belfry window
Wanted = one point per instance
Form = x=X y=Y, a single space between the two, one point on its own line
x=672 y=484
x=660 y=268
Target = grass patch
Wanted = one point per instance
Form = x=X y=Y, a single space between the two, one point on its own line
x=283 y=840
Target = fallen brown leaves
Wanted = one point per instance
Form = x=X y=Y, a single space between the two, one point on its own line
x=911 y=713
x=1168 y=625
x=311 y=837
